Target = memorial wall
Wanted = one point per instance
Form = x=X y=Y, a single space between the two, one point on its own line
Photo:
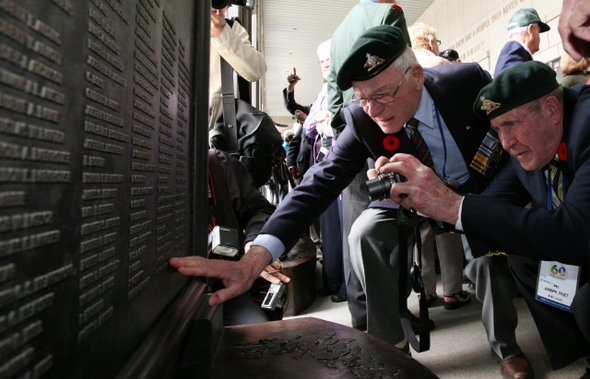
x=95 y=106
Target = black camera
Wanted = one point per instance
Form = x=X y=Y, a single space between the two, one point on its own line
x=380 y=187
x=218 y=4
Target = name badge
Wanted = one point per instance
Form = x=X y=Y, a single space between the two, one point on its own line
x=557 y=284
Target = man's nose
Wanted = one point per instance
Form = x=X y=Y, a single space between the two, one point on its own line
x=373 y=108
x=506 y=139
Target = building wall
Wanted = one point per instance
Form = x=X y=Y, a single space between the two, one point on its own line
x=478 y=29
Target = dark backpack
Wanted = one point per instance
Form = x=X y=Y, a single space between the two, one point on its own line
x=254 y=139
x=259 y=141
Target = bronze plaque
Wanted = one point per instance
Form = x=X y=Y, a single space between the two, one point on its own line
x=94 y=179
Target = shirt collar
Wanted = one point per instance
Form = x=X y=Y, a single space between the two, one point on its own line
x=526 y=48
x=425 y=112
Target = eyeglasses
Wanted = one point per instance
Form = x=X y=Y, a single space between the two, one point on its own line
x=385 y=98
x=438 y=41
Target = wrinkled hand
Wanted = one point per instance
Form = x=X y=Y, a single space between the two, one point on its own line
x=425 y=191
x=237 y=276
x=294 y=171
x=275 y=270
x=574 y=28
x=217 y=21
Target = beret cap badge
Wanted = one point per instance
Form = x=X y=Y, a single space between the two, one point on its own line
x=373 y=61
x=488 y=105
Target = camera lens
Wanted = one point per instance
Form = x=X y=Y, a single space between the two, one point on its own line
x=379 y=188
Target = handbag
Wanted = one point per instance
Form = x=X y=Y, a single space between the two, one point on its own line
x=246 y=132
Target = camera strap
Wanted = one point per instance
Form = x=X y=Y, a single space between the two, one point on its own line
x=220 y=189
x=416 y=278
x=230 y=125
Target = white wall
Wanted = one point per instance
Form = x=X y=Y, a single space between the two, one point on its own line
x=477 y=29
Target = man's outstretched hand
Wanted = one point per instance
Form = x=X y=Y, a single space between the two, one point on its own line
x=237 y=276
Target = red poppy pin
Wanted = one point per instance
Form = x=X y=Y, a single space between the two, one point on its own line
x=390 y=143
x=396 y=7
x=562 y=152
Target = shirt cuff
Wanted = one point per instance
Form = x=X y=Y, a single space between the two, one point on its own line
x=459 y=223
x=271 y=243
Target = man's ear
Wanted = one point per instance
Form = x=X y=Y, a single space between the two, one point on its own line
x=553 y=108
x=531 y=28
x=417 y=74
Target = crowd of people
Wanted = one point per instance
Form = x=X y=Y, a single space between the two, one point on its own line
x=495 y=168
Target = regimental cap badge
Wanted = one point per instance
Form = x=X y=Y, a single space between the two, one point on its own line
x=488 y=105
x=373 y=61
x=446 y=54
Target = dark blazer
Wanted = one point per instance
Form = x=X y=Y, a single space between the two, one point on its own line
x=512 y=53
x=560 y=234
x=299 y=151
x=498 y=220
x=291 y=104
x=453 y=88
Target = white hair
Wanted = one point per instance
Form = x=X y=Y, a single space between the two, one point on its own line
x=520 y=30
x=407 y=59
x=324 y=49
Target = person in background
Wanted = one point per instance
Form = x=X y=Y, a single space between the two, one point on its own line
x=287 y=137
x=355 y=198
x=545 y=128
x=524 y=30
x=450 y=55
x=317 y=128
x=299 y=153
x=232 y=43
x=448 y=245
x=574 y=72
x=453 y=56
x=425 y=45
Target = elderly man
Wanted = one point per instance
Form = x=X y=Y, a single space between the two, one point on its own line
x=363 y=16
x=546 y=129
x=438 y=101
x=524 y=30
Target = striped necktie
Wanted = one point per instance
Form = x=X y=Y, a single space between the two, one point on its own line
x=419 y=145
x=557 y=181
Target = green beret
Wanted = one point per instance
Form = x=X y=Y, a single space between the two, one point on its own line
x=524 y=17
x=372 y=53
x=513 y=87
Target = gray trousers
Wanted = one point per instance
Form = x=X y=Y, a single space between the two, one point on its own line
x=375 y=258
x=374 y=253
x=355 y=199
x=495 y=288
x=450 y=253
